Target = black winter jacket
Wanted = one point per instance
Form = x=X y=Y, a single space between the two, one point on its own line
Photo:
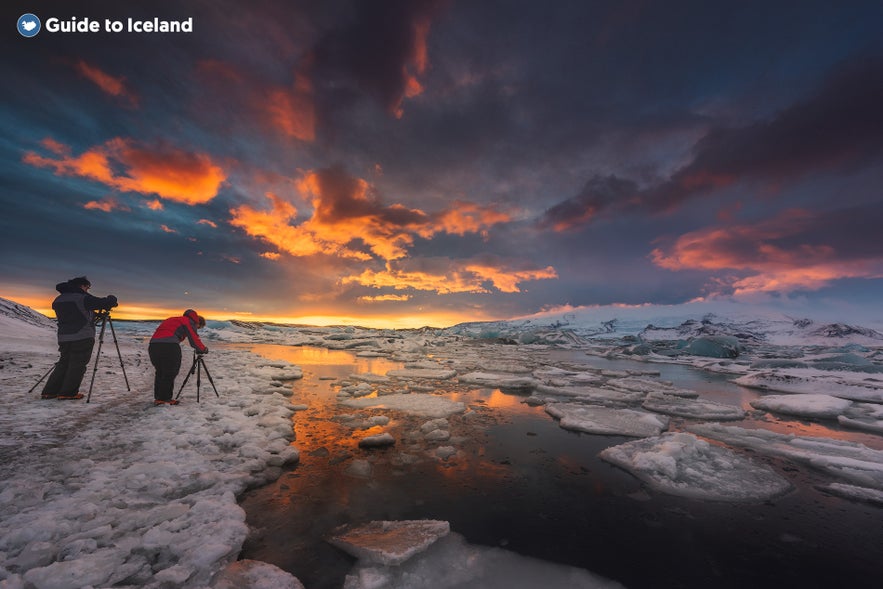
x=75 y=311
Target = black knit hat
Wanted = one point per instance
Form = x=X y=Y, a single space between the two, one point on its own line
x=79 y=281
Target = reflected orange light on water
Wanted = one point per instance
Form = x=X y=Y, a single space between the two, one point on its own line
x=809 y=429
x=328 y=444
x=496 y=399
x=310 y=356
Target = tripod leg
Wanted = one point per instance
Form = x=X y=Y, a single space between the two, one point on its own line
x=119 y=355
x=198 y=376
x=192 y=369
x=210 y=379
x=97 y=357
x=51 y=368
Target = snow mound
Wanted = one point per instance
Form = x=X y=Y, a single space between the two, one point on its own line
x=11 y=310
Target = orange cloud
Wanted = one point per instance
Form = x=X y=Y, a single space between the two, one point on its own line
x=506 y=280
x=349 y=220
x=172 y=174
x=114 y=86
x=416 y=62
x=275 y=227
x=293 y=110
x=773 y=253
x=467 y=217
x=385 y=297
x=286 y=109
x=107 y=205
x=292 y=113
x=451 y=277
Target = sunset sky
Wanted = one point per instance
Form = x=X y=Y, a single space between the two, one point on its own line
x=419 y=162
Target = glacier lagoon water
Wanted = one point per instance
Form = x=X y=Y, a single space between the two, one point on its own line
x=522 y=483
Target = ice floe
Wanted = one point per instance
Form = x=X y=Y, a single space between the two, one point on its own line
x=693 y=408
x=498 y=380
x=682 y=464
x=596 y=419
x=452 y=563
x=853 y=462
x=389 y=542
x=807 y=405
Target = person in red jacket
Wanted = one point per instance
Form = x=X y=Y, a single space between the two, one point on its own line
x=165 y=352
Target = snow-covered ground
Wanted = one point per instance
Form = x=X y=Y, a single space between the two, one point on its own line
x=118 y=493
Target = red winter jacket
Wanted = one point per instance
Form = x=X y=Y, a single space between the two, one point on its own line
x=175 y=329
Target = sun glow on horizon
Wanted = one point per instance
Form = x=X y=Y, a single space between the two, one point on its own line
x=146 y=312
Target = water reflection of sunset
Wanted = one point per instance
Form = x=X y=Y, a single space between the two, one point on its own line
x=328 y=442
x=310 y=356
x=494 y=399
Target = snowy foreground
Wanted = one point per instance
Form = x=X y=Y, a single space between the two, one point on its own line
x=118 y=493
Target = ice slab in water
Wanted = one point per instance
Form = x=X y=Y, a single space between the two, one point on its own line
x=682 y=464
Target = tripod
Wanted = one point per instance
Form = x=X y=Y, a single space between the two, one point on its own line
x=198 y=366
x=104 y=317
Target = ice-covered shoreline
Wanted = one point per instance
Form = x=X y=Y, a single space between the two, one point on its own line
x=118 y=492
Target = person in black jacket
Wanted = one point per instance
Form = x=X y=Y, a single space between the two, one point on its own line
x=76 y=311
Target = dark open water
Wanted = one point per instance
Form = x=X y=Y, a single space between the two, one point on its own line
x=527 y=485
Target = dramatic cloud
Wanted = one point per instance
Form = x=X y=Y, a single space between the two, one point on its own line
x=351 y=221
x=286 y=109
x=598 y=194
x=112 y=85
x=515 y=155
x=125 y=165
x=839 y=127
x=796 y=250
x=445 y=276
x=382 y=52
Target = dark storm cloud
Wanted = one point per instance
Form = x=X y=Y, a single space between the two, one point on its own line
x=839 y=128
x=378 y=53
x=598 y=194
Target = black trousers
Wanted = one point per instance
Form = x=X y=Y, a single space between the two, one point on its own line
x=68 y=373
x=166 y=358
